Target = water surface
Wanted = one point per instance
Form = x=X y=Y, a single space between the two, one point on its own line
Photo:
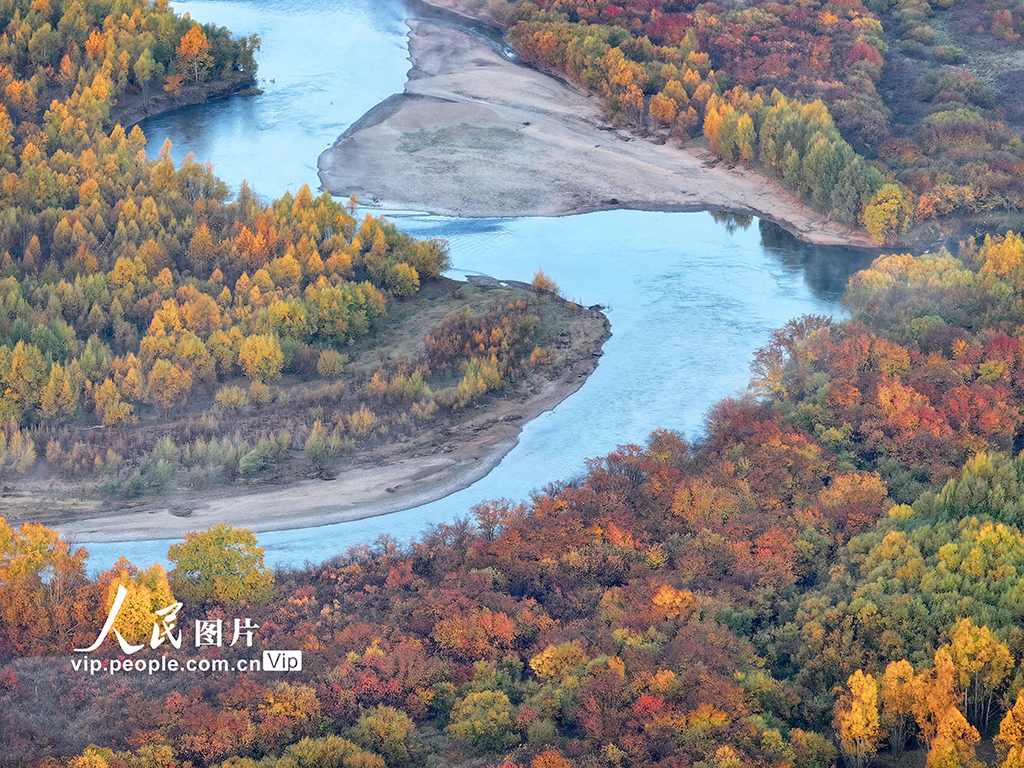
x=322 y=65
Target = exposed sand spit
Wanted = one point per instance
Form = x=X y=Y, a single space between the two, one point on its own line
x=476 y=135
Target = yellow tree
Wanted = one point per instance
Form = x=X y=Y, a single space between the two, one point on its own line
x=889 y=213
x=935 y=693
x=222 y=564
x=953 y=746
x=559 y=662
x=663 y=108
x=261 y=357
x=201 y=250
x=746 y=138
x=1010 y=741
x=194 y=54
x=59 y=396
x=134 y=386
x=856 y=718
x=147 y=592
x=983 y=664
x=897 y=690
x=169 y=386
x=28 y=375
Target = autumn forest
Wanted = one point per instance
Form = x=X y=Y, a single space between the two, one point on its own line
x=829 y=573
x=889 y=115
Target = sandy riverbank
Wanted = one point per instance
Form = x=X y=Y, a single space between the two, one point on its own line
x=389 y=478
x=476 y=135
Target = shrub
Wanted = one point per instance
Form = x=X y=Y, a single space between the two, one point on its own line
x=232 y=398
x=331 y=364
x=542 y=282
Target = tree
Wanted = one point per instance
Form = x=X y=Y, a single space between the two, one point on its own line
x=194 y=54
x=484 y=719
x=261 y=357
x=329 y=751
x=201 y=250
x=331 y=363
x=145 y=69
x=857 y=719
x=983 y=664
x=953 y=746
x=147 y=592
x=542 y=283
x=550 y=758
x=746 y=138
x=897 y=693
x=222 y=564
x=663 y=108
x=387 y=731
x=42 y=581
x=889 y=213
x=172 y=84
x=59 y=396
x=1010 y=741
x=28 y=375
x=169 y=386
x=402 y=279
x=936 y=694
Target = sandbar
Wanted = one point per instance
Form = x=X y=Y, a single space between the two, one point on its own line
x=475 y=134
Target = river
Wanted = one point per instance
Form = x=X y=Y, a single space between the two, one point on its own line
x=690 y=296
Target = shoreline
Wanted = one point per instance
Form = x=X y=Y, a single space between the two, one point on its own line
x=133 y=113
x=475 y=135
x=382 y=480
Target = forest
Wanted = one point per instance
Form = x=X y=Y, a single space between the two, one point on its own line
x=897 y=116
x=830 y=572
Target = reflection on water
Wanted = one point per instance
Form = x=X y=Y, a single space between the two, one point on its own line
x=690 y=296
x=826 y=268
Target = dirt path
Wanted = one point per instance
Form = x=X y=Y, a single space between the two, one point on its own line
x=476 y=135
x=428 y=466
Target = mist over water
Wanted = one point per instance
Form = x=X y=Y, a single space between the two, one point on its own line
x=690 y=298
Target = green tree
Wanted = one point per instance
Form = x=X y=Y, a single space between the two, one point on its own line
x=387 y=731
x=222 y=564
x=146 y=70
x=484 y=719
